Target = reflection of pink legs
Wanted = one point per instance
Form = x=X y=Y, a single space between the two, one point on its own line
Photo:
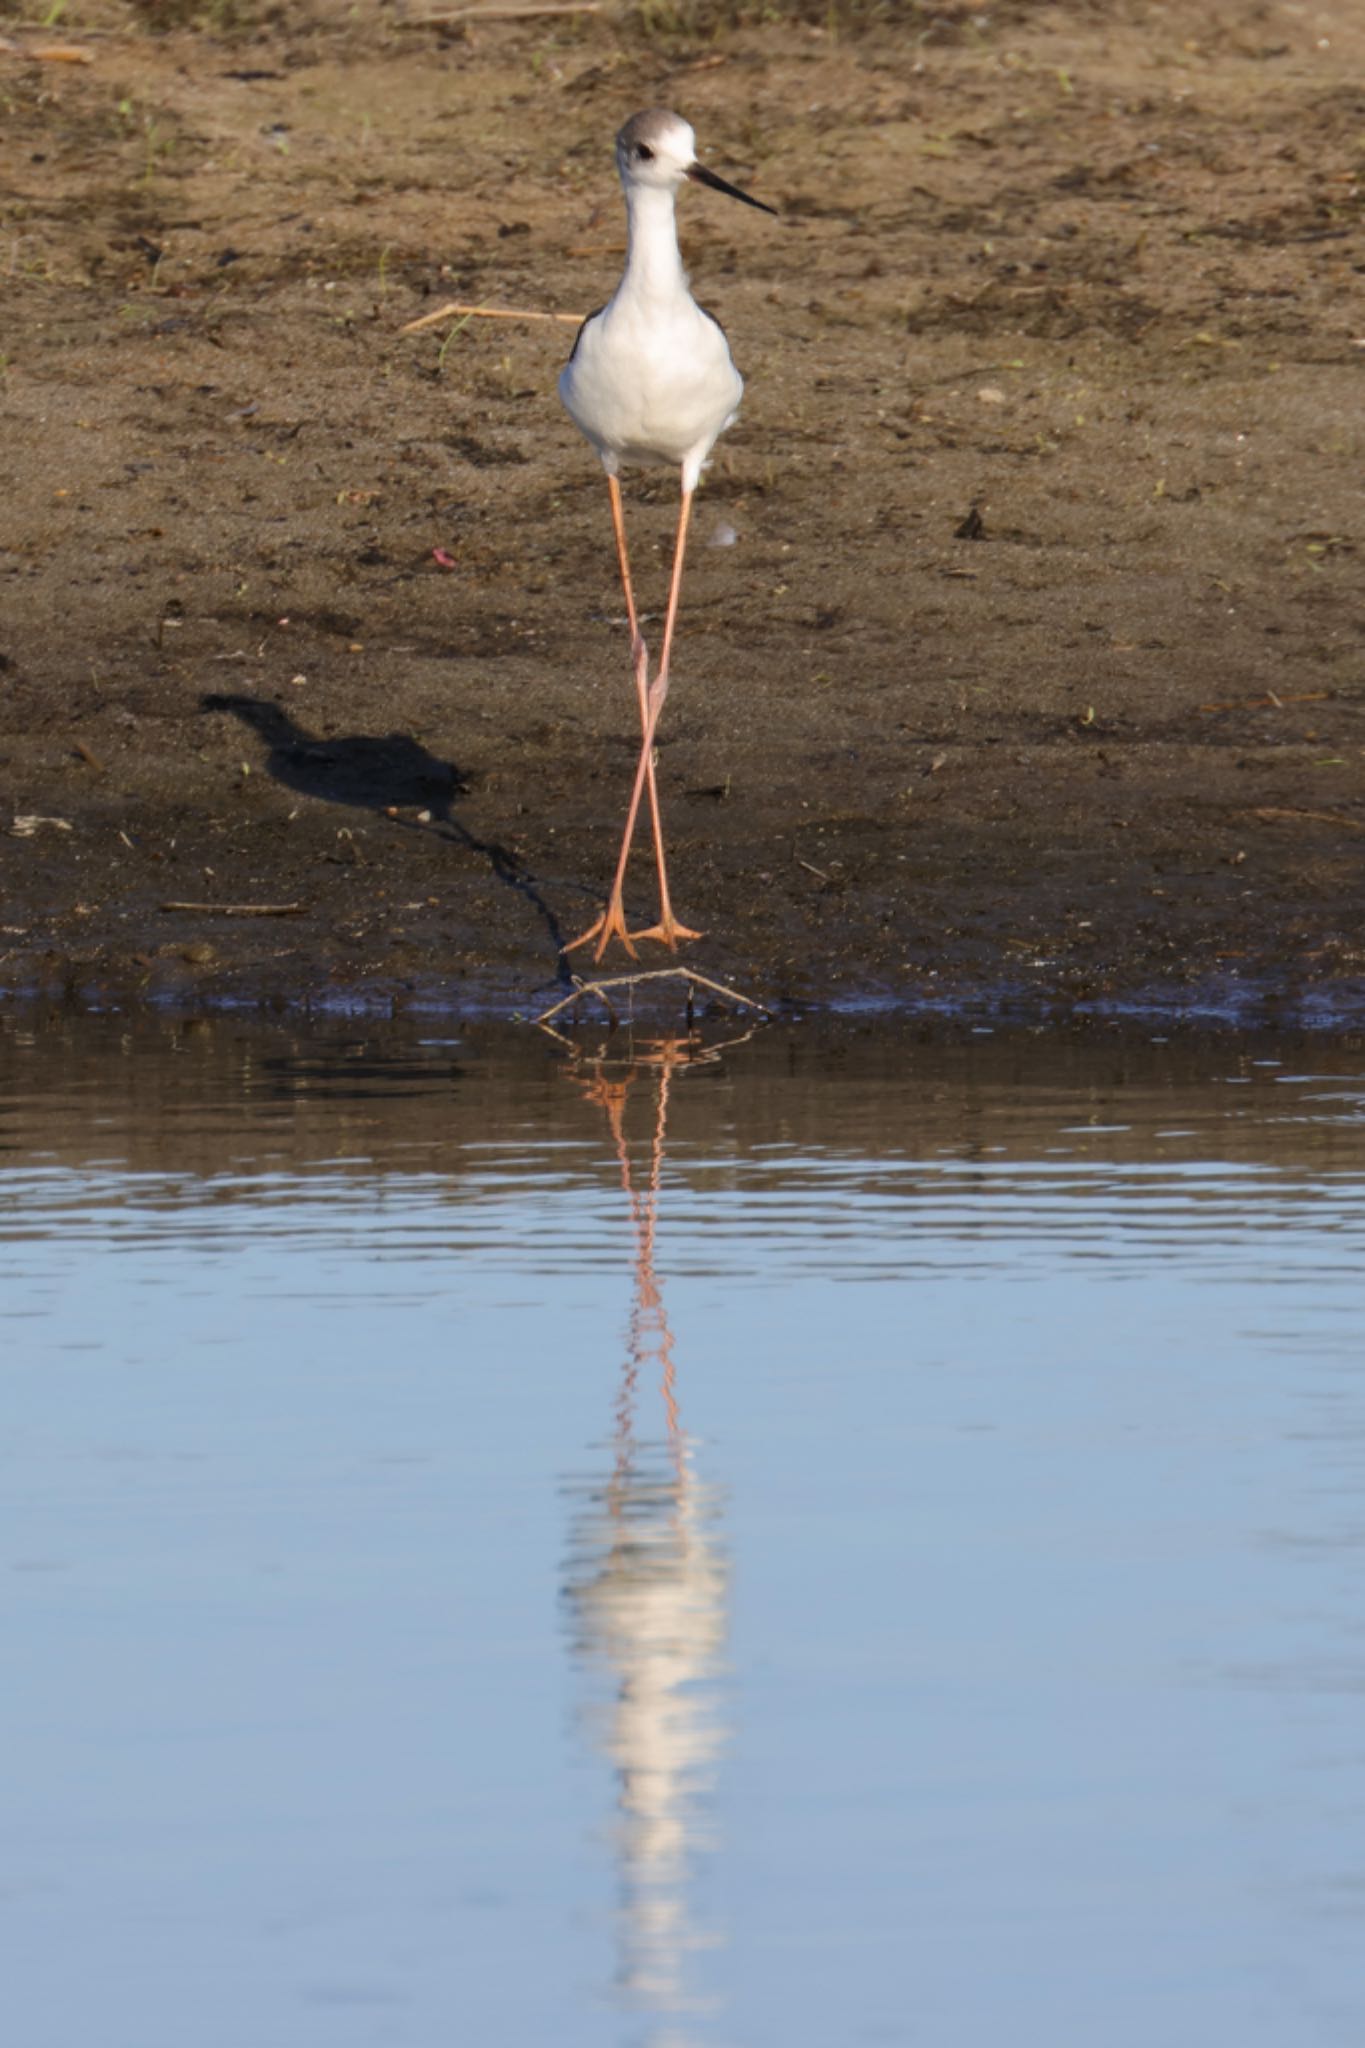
x=650 y=1334
x=612 y=923
x=668 y=1386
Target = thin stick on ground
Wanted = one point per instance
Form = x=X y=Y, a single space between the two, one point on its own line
x=237 y=909
x=455 y=309
x=503 y=13
x=689 y=975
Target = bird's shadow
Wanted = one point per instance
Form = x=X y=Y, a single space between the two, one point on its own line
x=384 y=774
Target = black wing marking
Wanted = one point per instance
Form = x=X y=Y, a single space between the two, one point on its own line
x=714 y=322
x=594 y=315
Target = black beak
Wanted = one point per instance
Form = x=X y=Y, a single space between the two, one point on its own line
x=701 y=176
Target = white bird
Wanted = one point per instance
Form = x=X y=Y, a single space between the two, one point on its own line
x=651 y=379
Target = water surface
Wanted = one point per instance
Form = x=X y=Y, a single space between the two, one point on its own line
x=845 y=1541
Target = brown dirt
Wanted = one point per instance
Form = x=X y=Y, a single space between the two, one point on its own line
x=1080 y=281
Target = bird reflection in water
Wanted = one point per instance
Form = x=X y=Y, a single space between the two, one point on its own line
x=647 y=1583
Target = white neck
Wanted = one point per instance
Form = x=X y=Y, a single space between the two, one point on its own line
x=653 y=263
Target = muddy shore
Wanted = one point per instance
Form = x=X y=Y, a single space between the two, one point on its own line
x=1022 y=657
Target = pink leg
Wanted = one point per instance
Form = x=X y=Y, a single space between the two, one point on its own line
x=612 y=923
x=668 y=929
x=639 y=653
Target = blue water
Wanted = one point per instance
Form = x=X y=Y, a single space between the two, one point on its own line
x=839 y=1543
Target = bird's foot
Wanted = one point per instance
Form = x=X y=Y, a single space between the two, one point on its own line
x=610 y=925
x=669 y=932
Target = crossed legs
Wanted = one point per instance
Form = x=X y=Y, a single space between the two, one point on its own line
x=612 y=923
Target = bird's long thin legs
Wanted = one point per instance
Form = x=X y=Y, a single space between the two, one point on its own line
x=618 y=527
x=612 y=923
x=668 y=928
x=639 y=653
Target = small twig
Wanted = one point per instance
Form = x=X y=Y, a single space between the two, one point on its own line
x=25 y=824
x=44 y=28
x=687 y=974
x=454 y=309
x=236 y=909
x=810 y=867
x=1282 y=814
x=1270 y=701
x=589 y=988
x=503 y=13
x=89 y=756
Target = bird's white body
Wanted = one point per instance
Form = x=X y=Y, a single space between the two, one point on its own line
x=651 y=377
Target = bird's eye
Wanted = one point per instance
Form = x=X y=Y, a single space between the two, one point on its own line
x=644 y=152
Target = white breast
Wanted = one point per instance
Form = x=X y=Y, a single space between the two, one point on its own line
x=649 y=384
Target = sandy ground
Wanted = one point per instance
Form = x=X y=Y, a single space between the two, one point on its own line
x=1033 y=669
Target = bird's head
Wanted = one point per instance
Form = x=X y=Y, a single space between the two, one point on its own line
x=658 y=149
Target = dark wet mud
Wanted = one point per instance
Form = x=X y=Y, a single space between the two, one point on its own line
x=1022 y=656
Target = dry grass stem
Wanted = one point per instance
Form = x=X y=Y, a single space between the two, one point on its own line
x=453 y=310
x=237 y=909
x=503 y=13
